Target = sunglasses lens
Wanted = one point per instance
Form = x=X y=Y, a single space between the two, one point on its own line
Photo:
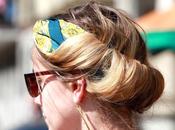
x=32 y=85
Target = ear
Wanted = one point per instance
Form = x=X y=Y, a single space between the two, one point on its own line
x=79 y=90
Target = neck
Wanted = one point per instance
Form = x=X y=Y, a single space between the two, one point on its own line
x=94 y=118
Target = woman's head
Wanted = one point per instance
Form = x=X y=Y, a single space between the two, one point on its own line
x=107 y=52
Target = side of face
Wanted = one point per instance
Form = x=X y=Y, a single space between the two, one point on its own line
x=57 y=103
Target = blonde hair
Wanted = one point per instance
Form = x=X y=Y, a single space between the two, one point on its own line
x=112 y=56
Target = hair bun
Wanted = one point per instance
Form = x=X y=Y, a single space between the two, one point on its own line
x=145 y=85
x=136 y=86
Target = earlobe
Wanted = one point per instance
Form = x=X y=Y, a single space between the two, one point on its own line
x=79 y=90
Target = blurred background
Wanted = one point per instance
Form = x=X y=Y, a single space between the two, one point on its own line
x=17 y=112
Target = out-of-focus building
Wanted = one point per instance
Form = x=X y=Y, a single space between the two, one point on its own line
x=160 y=33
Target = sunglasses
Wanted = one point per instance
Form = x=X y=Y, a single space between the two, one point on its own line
x=32 y=84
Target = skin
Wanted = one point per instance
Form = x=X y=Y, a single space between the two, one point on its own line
x=58 y=101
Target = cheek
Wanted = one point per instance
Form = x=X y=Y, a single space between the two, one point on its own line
x=58 y=106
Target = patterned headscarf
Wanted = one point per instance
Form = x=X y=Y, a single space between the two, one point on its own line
x=49 y=34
